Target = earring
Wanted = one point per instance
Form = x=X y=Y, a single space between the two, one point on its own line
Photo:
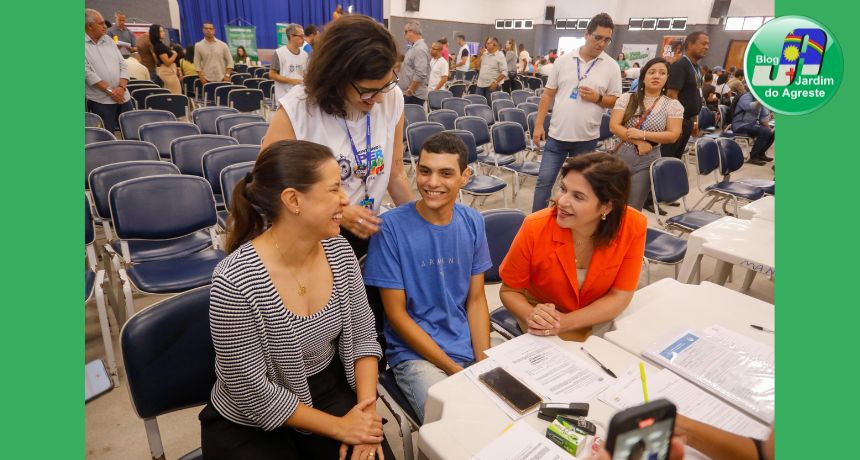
x=297 y=212
x=603 y=216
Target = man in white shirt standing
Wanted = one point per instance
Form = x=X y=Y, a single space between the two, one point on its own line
x=438 y=68
x=289 y=62
x=461 y=61
x=493 y=68
x=582 y=83
x=212 y=57
x=524 y=59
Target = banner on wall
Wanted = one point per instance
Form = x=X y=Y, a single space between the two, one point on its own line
x=639 y=53
x=244 y=36
x=670 y=48
x=281 y=33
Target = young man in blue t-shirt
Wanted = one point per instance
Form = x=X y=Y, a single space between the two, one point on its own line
x=428 y=260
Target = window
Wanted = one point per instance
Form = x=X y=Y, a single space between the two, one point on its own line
x=734 y=23
x=500 y=23
x=752 y=23
x=528 y=24
x=664 y=24
x=634 y=24
x=679 y=24
x=582 y=24
x=509 y=23
x=560 y=23
x=649 y=24
x=571 y=23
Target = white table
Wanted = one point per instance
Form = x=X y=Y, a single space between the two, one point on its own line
x=762 y=208
x=732 y=241
x=459 y=419
x=667 y=307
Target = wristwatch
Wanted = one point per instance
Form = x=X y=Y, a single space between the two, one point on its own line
x=108 y=90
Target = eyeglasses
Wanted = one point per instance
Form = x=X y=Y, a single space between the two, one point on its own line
x=297 y=35
x=599 y=38
x=368 y=94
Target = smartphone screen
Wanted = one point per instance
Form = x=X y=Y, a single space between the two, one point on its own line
x=519 y=396
x=643 y=432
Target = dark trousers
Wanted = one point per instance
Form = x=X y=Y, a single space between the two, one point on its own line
x=223 y=439
x=413 y=100
x=110 y=112
x=676 y=149
x=763 y=139
x=484 y=92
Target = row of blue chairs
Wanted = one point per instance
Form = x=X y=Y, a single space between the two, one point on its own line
x=435 y=98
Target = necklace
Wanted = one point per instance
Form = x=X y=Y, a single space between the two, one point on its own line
x=577 y=247
x=302 y=290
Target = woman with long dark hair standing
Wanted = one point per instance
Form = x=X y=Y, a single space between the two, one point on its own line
x=166 y=59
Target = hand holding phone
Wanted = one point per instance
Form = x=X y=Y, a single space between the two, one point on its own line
x=642 y=432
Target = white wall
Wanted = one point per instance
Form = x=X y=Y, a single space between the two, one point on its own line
x=474 y=11
x=751 y=8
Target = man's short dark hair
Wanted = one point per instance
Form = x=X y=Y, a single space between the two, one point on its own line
x=209 y=22
x=461 y=37
x=310 y=29
x=693 y=38
x=446 y=143
x=601 y=20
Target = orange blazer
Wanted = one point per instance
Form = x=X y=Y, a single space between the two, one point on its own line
x=541 y=261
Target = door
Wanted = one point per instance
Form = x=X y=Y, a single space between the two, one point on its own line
x=735 y=56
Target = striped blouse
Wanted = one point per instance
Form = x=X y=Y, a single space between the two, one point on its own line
x=259 y=362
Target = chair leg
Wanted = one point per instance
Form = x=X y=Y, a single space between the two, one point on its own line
x=748 y=279
x=129 y=297
x=153 y=436
x=105 y=327
x=647 y=271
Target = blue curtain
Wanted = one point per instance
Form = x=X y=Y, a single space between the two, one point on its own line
x=263 y=14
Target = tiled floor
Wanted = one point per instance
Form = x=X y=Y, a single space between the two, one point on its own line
x=113 y=431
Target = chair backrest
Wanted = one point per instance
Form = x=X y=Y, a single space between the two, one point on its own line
x=209 y=90
x=109 y=152
x=89 y=231
x=457 y=104
x=457 y=90
x=533 y=99
x=101 y=179
x=267 y=87
x=225 y=122
x=168 y=355
x=444 y=116
x=516 y=116
x=532 y=119
x=469 y=140
x=496 y=95
x=249 y=133
x=515 y=85
x=706 y=118
x=509 y=138
x=475 y=125
x=176 y=104
x=162 y=133
x=482 y=111
x=253 y=83
x=502 y=104
x=605 y=132
x=241 y=68
x=221 y=93
x=187 y=152
x=434 y=98
x=245 y=99
x=470 y=75
x=239 y=78
x=731 y=156
x=136 y=84
x=539 y=92
x=413 y=113
x=501 y=226
x=230 y=176
x=476 y=99
x=139 y=95
x=417 y=133
x=669 y=179
x=261 y=72
x=92 y=120
x=97 y=135
x=707 y=155
x=205 y=117
x=528 y=107
x=161 y=207
x=219 y=158
x=188 y=82
x=130 y=122
x=520 y=95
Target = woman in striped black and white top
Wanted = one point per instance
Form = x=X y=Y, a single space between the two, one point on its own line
x=295 y=346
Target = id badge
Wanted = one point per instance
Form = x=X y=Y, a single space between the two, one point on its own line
x=360 y=171
x=575 y=93
x=366 y=203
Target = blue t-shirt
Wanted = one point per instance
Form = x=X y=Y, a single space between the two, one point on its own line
x=308 y=48
x=434 y=265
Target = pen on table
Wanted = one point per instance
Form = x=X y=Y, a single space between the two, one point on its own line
x=644 y=385
x=761 y=328
x=605 y=369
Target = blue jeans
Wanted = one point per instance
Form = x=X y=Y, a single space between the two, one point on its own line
x=415 y=377
x=554 y=154
x=763 y=138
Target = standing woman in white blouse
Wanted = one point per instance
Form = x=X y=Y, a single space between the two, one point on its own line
x=350 y=102
x=642 y=121
x=295 y=346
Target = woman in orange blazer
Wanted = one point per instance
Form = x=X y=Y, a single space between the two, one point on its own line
x=577 y=263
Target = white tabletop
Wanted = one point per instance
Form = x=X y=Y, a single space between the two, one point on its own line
x=762 y=208
x=748 y=243
x=668 y=306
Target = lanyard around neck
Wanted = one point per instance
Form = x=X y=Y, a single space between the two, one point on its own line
x=587 y=71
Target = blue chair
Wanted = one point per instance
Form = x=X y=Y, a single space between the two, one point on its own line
x=663 y=248
x=205 y=117
x=169 y=361
x=261 y=72
x=668 y=185
x=497 y=95
x=731 y=159
x=253 y=83
x=92 y=120
x=516 y=116
x=481 y=111
x=502 y=104
x=509 y=138
x=479 y=185
x=435 y=97
x=177 y=104
x=130 y=122
x=229 y=177
x=413 y=113
x=416 y=134
x=225 y=122
x=457 y=104
x=605 y=132
x=137 y=84
x=238 y=78
x=109 y=152
x=94 y=279
x=709 y=162
x=249 y=133
x=502 y=226
x=539 y=92
x=470 y=75
x=444 y=116
x=520 y=95
x=478 y=127
x=92 y=135
x=189 y=84
x=528 y=107
x=209 y=91
x=457 y=89
x=268 y=89
x=241 y=68
x=166 y=209
x=187 y=152
x=139 y=95
x=221 y=93
x=162 y=133
x=532 y=119
x=219 y=158
x=532 y=83
x=476 y=99
x=534 y=100
x=246 y=100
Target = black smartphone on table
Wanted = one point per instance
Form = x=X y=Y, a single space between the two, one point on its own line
x=642 y=432
x=511 y=390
